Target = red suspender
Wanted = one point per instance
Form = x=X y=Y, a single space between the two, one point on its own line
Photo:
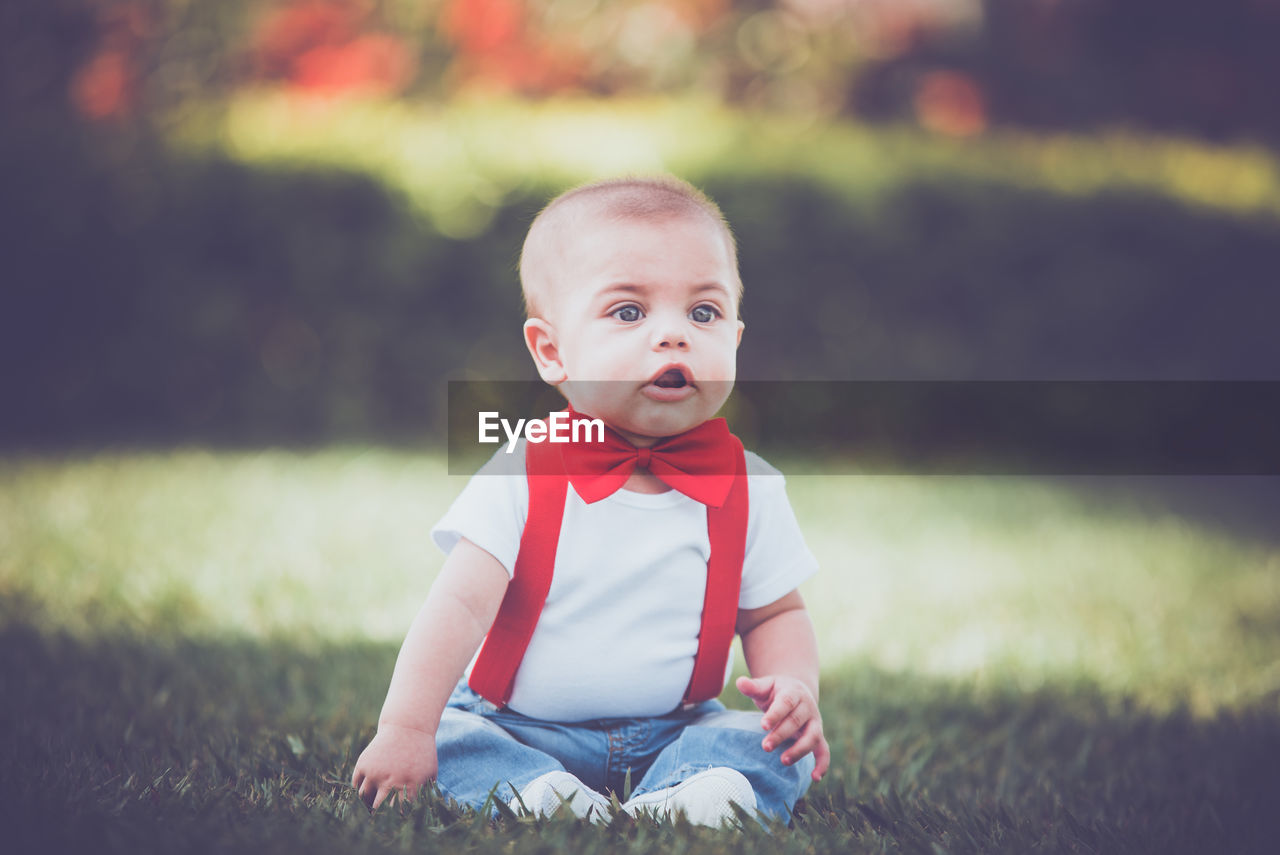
x=727 y=531
x=493 y=675
x=495 y=670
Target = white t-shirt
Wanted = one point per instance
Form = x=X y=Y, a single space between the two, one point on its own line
x=619 y=631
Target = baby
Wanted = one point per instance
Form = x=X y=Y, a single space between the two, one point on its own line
x=664 y=539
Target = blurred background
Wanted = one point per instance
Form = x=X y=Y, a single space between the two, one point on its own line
x=291 y=221
x=246 y=244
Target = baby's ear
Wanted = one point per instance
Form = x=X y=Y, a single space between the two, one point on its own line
x=540 y=338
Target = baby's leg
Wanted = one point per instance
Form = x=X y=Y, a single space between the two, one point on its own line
x=731 y=738
x=474 y=754
x=479 y=748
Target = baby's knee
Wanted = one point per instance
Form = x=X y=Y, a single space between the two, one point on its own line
x=732 y=720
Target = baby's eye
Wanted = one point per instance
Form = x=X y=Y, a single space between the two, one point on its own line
x=628 y=314
x=704 y=314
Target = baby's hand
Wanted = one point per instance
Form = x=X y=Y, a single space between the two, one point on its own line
x=790 y=712
x=399 y=760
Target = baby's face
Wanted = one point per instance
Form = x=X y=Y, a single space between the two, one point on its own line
x=641 y=326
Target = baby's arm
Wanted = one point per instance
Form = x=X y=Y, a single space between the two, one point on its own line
x=448 y=629
x=782 y=656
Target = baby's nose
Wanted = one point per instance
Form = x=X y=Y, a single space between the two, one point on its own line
x=671 y=337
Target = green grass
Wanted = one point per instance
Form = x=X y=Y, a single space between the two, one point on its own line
x=194 y=647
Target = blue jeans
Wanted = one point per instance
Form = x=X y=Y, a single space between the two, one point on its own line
x=480 y=746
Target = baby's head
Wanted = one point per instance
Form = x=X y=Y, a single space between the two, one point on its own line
x=632 y=291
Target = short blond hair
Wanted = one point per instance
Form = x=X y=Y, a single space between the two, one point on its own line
x=647 y=199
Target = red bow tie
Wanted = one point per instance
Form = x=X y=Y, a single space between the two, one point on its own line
x=699 y=463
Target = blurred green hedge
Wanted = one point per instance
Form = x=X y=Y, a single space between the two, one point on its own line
x=152 y=296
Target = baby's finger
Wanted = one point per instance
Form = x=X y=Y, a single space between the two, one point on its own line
x=779 y=709
x=366 y=791
x=757 y=690
x=395 y=799
x=784 y=720
x=806 y=742
x=380 y=797
x=822 y=760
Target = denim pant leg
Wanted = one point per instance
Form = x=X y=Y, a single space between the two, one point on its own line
x=732 y=738
x=474 y=753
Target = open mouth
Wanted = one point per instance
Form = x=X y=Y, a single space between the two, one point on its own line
x=672 y=378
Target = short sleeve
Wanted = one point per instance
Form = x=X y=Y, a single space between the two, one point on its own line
x=491 y=510
x=777 y=558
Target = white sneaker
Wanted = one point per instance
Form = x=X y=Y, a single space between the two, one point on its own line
x=547 y=793
x=705 y=798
